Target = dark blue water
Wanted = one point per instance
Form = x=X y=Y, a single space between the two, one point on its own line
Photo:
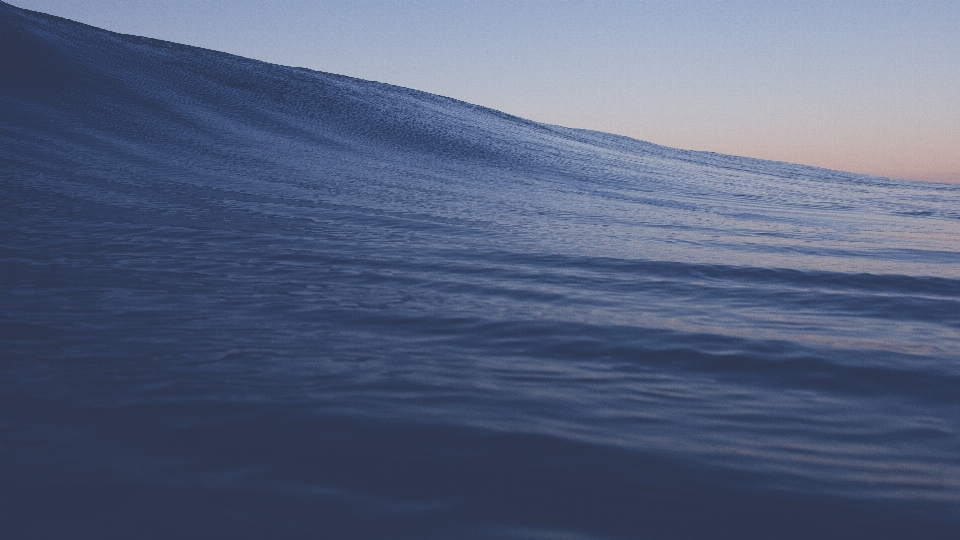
x=239 y=300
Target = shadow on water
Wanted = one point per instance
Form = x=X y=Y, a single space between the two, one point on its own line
x=267 y=472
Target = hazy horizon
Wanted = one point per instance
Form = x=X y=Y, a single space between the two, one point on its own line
x=867 y=87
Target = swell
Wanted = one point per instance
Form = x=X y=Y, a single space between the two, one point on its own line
x=407 y=314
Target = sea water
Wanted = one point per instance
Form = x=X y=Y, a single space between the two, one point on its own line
x=245 y=300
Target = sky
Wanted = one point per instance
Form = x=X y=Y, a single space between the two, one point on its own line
x=862 y=86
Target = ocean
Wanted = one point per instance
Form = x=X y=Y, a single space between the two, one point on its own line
x=242 y=300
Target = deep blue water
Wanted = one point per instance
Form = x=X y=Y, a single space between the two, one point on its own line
x=240 y=300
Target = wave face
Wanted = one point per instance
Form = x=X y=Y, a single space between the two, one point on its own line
x=245 y=300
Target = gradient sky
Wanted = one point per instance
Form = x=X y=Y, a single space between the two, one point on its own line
x=864 y=86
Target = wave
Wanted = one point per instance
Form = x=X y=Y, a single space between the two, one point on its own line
x=246 y=299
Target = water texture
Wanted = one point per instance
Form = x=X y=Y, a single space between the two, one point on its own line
x=240 y=300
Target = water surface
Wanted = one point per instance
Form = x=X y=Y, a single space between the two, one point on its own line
x=245 y=300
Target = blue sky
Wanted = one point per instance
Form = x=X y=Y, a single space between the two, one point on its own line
x=865 y=86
